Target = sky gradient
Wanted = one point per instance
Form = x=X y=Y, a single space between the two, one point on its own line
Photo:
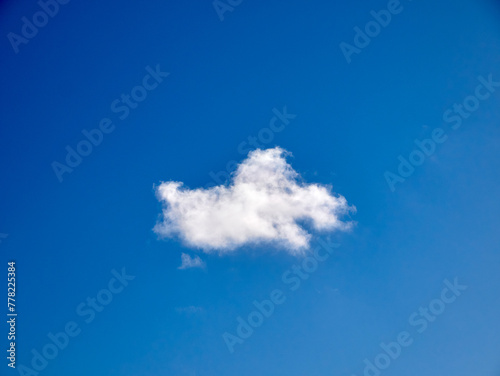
x=177 y=94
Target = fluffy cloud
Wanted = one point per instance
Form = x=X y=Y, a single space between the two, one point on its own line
x=264 y=203
x=191 y=262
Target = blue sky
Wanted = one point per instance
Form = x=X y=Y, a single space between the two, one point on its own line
x=225 y=79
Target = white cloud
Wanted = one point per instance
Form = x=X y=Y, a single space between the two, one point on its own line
x=265 y=203
x=191 y=262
